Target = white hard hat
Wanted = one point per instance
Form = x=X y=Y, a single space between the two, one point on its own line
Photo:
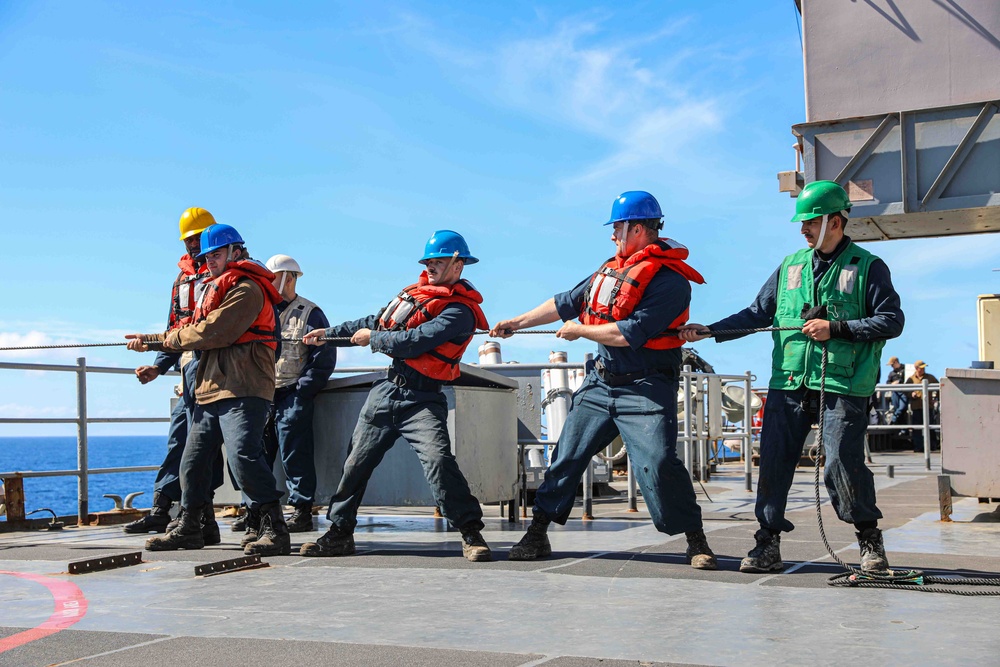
x=283 y=263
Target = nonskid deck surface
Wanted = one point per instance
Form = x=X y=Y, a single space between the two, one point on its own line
x=615 y=592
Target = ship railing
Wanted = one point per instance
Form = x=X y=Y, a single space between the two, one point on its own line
x=13 y=480
x=697 y=431
x=925 y=426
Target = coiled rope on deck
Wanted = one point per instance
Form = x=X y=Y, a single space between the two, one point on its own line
x=915 y=580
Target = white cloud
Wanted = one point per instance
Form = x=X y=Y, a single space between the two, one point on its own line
x=577 y=77
x=640 y=109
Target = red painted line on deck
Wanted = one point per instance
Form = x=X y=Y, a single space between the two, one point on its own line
x=70 y=607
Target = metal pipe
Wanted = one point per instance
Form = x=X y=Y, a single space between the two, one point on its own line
x=90 y=420
x=748 y=427
x=82 y=463
x=524 y=482
x=489 y=353
x=588 y=491
x=703 y=430
x=633 y=503
x=687 y=419
x=926 y=400
x=75 y=473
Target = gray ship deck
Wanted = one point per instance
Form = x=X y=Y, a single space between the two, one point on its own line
x=616 y=592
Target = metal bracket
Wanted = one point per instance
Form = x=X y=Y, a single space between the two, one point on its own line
x=105 y=563
x=866 y=150
x=958 y=157
x=231 y=565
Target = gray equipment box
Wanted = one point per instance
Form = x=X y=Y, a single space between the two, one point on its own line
x=482 y=424
x=970 y=422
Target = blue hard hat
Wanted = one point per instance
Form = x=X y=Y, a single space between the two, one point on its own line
x=444 y=243
x=634 y=205
x=218 y=236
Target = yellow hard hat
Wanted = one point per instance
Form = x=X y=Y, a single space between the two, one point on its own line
x=194 y=221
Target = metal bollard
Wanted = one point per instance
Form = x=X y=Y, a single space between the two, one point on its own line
x=890 y=471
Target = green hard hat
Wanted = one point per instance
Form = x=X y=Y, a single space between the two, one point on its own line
x=819 y=198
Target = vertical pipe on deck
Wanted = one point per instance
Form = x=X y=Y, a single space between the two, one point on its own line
x=703 y=430
x=926 y=400
x=83 y=479
x=748 y=430
x=687 y=419
x=633 y=503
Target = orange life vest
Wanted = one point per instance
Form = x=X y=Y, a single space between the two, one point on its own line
x=263 y=327
x=617 y=287
x=422 y=302
x=187 y=289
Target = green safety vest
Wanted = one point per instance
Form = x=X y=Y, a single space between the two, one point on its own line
x=852 y=367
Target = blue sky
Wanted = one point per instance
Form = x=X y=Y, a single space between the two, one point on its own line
x=343 y=134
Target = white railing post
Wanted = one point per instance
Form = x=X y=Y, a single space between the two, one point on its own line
x=82 y=465
x=687 y=420
x=748 y=429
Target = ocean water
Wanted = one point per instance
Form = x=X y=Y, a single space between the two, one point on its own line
x=59 y=453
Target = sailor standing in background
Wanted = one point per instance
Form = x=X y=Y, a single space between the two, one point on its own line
x=625 y=307
x=425 y=330
x=834 y=293
x=187 y=289
x=300 y=373
x=233 y=329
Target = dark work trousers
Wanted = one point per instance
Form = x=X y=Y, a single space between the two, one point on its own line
x=645 y=414
x=421 y=418
x=788 y=417
x=899 y=402
x=168 y=480
x=289 y=431
x=238 y=424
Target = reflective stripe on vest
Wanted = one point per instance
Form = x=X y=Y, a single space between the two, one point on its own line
x=186 y=292
x=422 y=302
x=262 y=329
x=616 y=288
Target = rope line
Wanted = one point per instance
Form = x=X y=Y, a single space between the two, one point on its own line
x=337 y=339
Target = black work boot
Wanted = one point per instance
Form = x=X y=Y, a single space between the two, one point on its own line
x=474 y=547
x=157 y=519
x=301 y=520
x=176 y=520
x=187 y=534
x=333 y=542
x=209 y=526
x=766 y=556
x=698 y=553
x=239 y=524
x=251 y=527
x=873 y=560
x=273 y=539
x=535 y=543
